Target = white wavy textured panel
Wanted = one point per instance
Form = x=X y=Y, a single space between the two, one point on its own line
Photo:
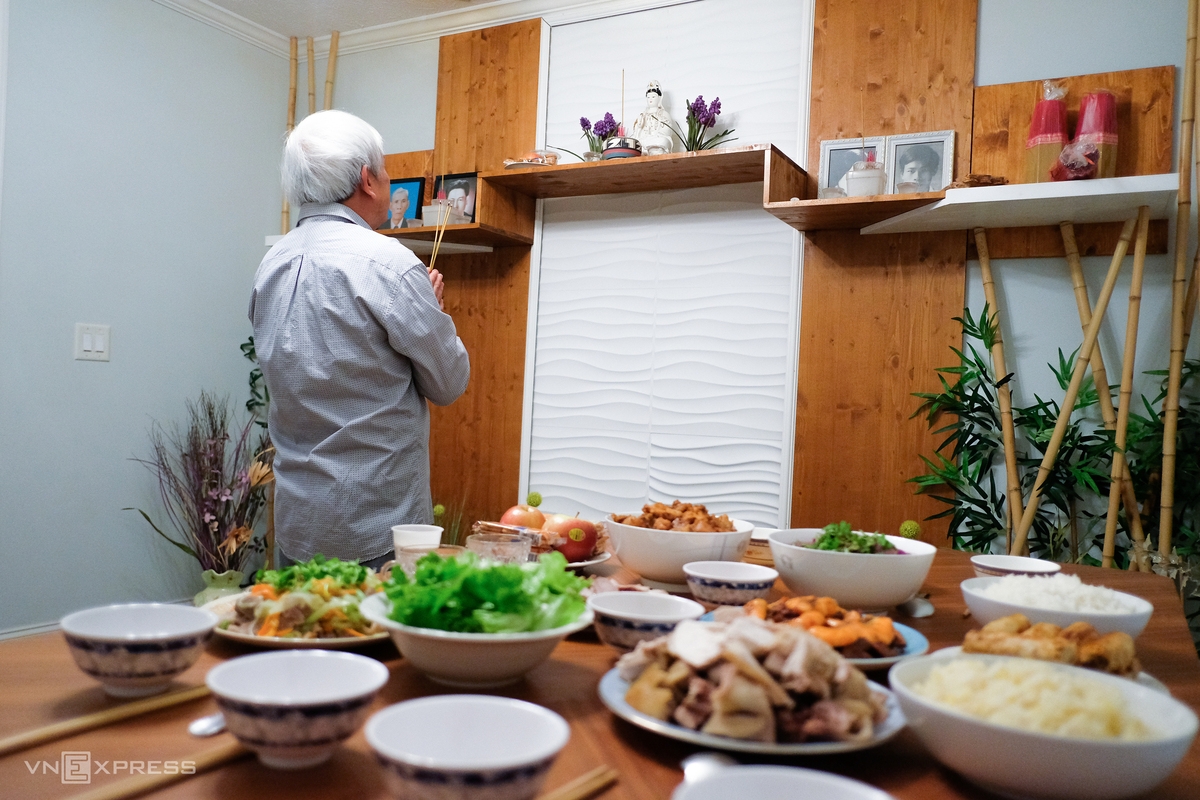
x=664 y=319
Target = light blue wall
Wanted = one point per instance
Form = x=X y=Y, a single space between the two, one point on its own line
x=140 y=176
x=1021 y=40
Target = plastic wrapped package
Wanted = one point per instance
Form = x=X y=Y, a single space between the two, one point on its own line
x=1076 y=162
x=1098 y=126
x=1047 y=133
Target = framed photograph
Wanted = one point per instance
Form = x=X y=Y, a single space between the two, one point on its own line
x=839 y=155
x=920 y=162
x=460 y=190
x=408 y=194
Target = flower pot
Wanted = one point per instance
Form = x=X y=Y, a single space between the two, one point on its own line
x=218 y=585
x=592 y=155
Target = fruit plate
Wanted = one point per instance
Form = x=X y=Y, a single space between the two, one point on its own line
x=591 y=562
x=1144 y=678
x=612 y=693
x=915 y=644
x=223 y=607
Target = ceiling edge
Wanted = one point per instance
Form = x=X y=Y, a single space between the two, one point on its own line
x=233 y=24
x=433 y=26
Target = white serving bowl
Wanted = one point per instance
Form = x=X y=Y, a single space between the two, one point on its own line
x=466 y=746
x=764 y=782
x=470 y=660
x=625 y=618
x=990 y=566
x=985 y=609
x=658 y=556
x=136 y=649
x=1016 y=762
x=294 y=707
x=728 y=583
x=856 y=580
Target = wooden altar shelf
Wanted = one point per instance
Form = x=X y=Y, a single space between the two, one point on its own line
x=1028 y=204
x=475 y=237
x=843 y=213
x=718 y=167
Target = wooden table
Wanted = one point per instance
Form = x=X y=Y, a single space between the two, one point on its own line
x=41 y=685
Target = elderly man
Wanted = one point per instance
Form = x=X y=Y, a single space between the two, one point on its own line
x=352 y=340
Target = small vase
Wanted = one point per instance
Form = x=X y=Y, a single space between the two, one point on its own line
x=593 y=155
x=218 y=585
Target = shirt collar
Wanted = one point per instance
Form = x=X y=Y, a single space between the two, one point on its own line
x=331 y=210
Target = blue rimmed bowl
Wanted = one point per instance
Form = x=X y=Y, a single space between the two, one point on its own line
x=728 y=583
x=294 y=707
x=625 y=618
x=137 y=649
x=466 y=746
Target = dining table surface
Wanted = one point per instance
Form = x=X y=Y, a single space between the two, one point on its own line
x=42 y=685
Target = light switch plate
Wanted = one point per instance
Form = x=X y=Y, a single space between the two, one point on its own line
x=92 y=342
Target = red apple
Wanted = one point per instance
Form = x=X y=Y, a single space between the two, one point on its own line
x=524 y=515
x=576 y=537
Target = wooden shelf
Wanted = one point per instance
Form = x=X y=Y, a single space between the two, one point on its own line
x=644 y=174
x=848 y=212
x=475 y=237
x=1029 y=204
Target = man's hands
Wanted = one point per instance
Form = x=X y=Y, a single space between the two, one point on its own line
x=435 y=278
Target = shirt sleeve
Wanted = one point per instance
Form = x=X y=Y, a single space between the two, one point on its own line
x=419 y=330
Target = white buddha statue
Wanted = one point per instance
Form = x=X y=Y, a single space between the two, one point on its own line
x=653 y=126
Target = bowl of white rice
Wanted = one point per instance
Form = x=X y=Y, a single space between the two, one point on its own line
x=1059 y=599
x=1036 y=729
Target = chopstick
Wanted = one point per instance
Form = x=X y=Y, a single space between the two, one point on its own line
x=98 y=719
x=140 y=784
x=586 y=785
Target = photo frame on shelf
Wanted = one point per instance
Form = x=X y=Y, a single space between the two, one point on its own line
x=839 y=155
x=460 y=190
x=407 y=195
x=920 y=162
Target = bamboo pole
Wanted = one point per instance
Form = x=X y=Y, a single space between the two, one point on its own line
x=1081 y=362
x=285 y=215
x=1003 y=393
x=1183 y=218
x=312 y=79
x=1126 y=396
x=331 y=70
x=1100 y=375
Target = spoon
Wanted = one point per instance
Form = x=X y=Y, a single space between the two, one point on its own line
x=699 y=766
x=207 y=726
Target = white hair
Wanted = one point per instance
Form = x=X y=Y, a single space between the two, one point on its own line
x=324 y=155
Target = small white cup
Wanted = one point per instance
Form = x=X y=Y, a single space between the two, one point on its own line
x=404 y=535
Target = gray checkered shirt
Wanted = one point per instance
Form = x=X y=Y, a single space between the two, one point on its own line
x=352 y=343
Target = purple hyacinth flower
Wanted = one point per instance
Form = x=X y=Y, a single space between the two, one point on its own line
x=606 y=127
x=586 y=124
x=697 y=108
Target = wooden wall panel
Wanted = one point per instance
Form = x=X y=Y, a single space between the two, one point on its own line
x=487 y=96
x=1145 y=120
x=486 y=112
x=475 y=443
x=876 y=311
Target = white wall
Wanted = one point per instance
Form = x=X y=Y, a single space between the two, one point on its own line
x=393 y=88
x=1035 y=295
x=666 y=321
x=140 y=176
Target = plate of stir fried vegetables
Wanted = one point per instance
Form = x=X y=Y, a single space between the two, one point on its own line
x=309 y=604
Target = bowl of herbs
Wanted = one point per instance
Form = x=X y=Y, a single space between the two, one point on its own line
x=475 y=623
x=866 y=571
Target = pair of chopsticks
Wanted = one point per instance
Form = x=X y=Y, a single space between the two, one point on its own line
x=99 y=719
x=586 y=785
x=141 y=784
